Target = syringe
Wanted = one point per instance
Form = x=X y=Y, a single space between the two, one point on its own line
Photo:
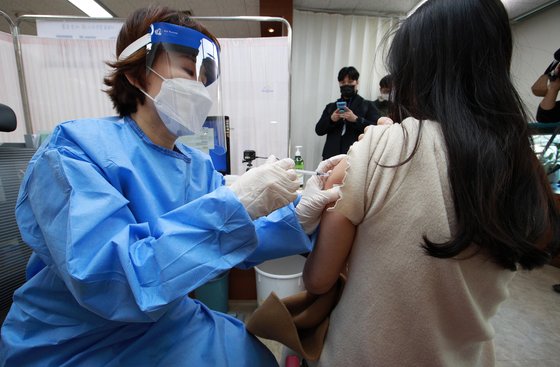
x=311 y=173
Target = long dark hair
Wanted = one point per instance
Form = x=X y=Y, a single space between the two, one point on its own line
x=450 y=63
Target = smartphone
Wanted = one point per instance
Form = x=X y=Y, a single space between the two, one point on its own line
x=341 y=106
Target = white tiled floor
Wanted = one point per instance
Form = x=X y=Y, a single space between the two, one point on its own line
x=527 y=325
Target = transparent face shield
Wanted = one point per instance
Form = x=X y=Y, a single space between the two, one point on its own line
x=188 y=64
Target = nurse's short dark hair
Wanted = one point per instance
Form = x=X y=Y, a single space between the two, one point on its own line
x=348 y=71
x=124 y=95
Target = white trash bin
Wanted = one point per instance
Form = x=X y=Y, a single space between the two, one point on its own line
x=282 y=276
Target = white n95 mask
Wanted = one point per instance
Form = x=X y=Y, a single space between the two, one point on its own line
x=182 y=105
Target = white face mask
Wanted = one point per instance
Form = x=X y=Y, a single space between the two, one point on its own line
x=383 y=97
x=182 y=105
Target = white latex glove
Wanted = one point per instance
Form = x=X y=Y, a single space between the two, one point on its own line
x=314 y=198
x=266 y=188
x=329 y=163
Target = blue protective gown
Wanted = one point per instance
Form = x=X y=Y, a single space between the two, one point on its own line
x=122 y=230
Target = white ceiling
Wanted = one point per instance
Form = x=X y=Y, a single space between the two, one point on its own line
x=121 y=9
x=399 y=7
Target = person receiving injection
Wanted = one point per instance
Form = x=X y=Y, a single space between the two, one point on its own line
x=439 y=211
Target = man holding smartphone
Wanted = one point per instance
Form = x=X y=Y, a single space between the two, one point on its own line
x=345 y=119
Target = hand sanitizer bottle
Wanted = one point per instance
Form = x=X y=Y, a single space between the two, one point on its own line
x=298 y=160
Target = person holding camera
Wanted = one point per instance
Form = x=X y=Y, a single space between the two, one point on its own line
x=345 y=119
x=548 y=86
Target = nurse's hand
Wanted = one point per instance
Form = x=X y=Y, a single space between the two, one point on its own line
x=266 y=188
x=328 y=164
x=314 y=199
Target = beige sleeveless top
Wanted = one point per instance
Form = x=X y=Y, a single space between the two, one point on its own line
x=400 y=306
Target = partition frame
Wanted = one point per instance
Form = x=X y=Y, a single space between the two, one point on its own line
x=8 y=19
x=14 y=26
x=21 y=75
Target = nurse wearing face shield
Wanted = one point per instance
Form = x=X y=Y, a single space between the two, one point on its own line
x=124 y=221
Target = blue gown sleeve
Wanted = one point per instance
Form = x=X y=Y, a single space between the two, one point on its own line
x=115 y=266
x=279 y=234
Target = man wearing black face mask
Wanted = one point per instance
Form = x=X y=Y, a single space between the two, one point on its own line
x=343 y=125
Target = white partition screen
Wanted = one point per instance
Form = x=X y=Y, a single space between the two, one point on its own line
x=64 y=79
x=323 y=44
x=256 y=96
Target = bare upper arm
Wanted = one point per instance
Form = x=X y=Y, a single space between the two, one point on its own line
x=336 y=235
x=337 y=174
x=540 y=86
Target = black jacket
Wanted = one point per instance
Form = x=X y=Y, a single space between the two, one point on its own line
x=336 y=142
x=552 y=115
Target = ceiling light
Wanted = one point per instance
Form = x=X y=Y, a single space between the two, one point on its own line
x=270 y=30
x=91 y=8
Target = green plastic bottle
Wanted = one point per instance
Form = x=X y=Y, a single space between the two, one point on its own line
x=298 y=160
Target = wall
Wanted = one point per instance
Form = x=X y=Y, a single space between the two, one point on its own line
x=535 y=41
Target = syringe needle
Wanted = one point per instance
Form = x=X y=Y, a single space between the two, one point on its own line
x=311 y=173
